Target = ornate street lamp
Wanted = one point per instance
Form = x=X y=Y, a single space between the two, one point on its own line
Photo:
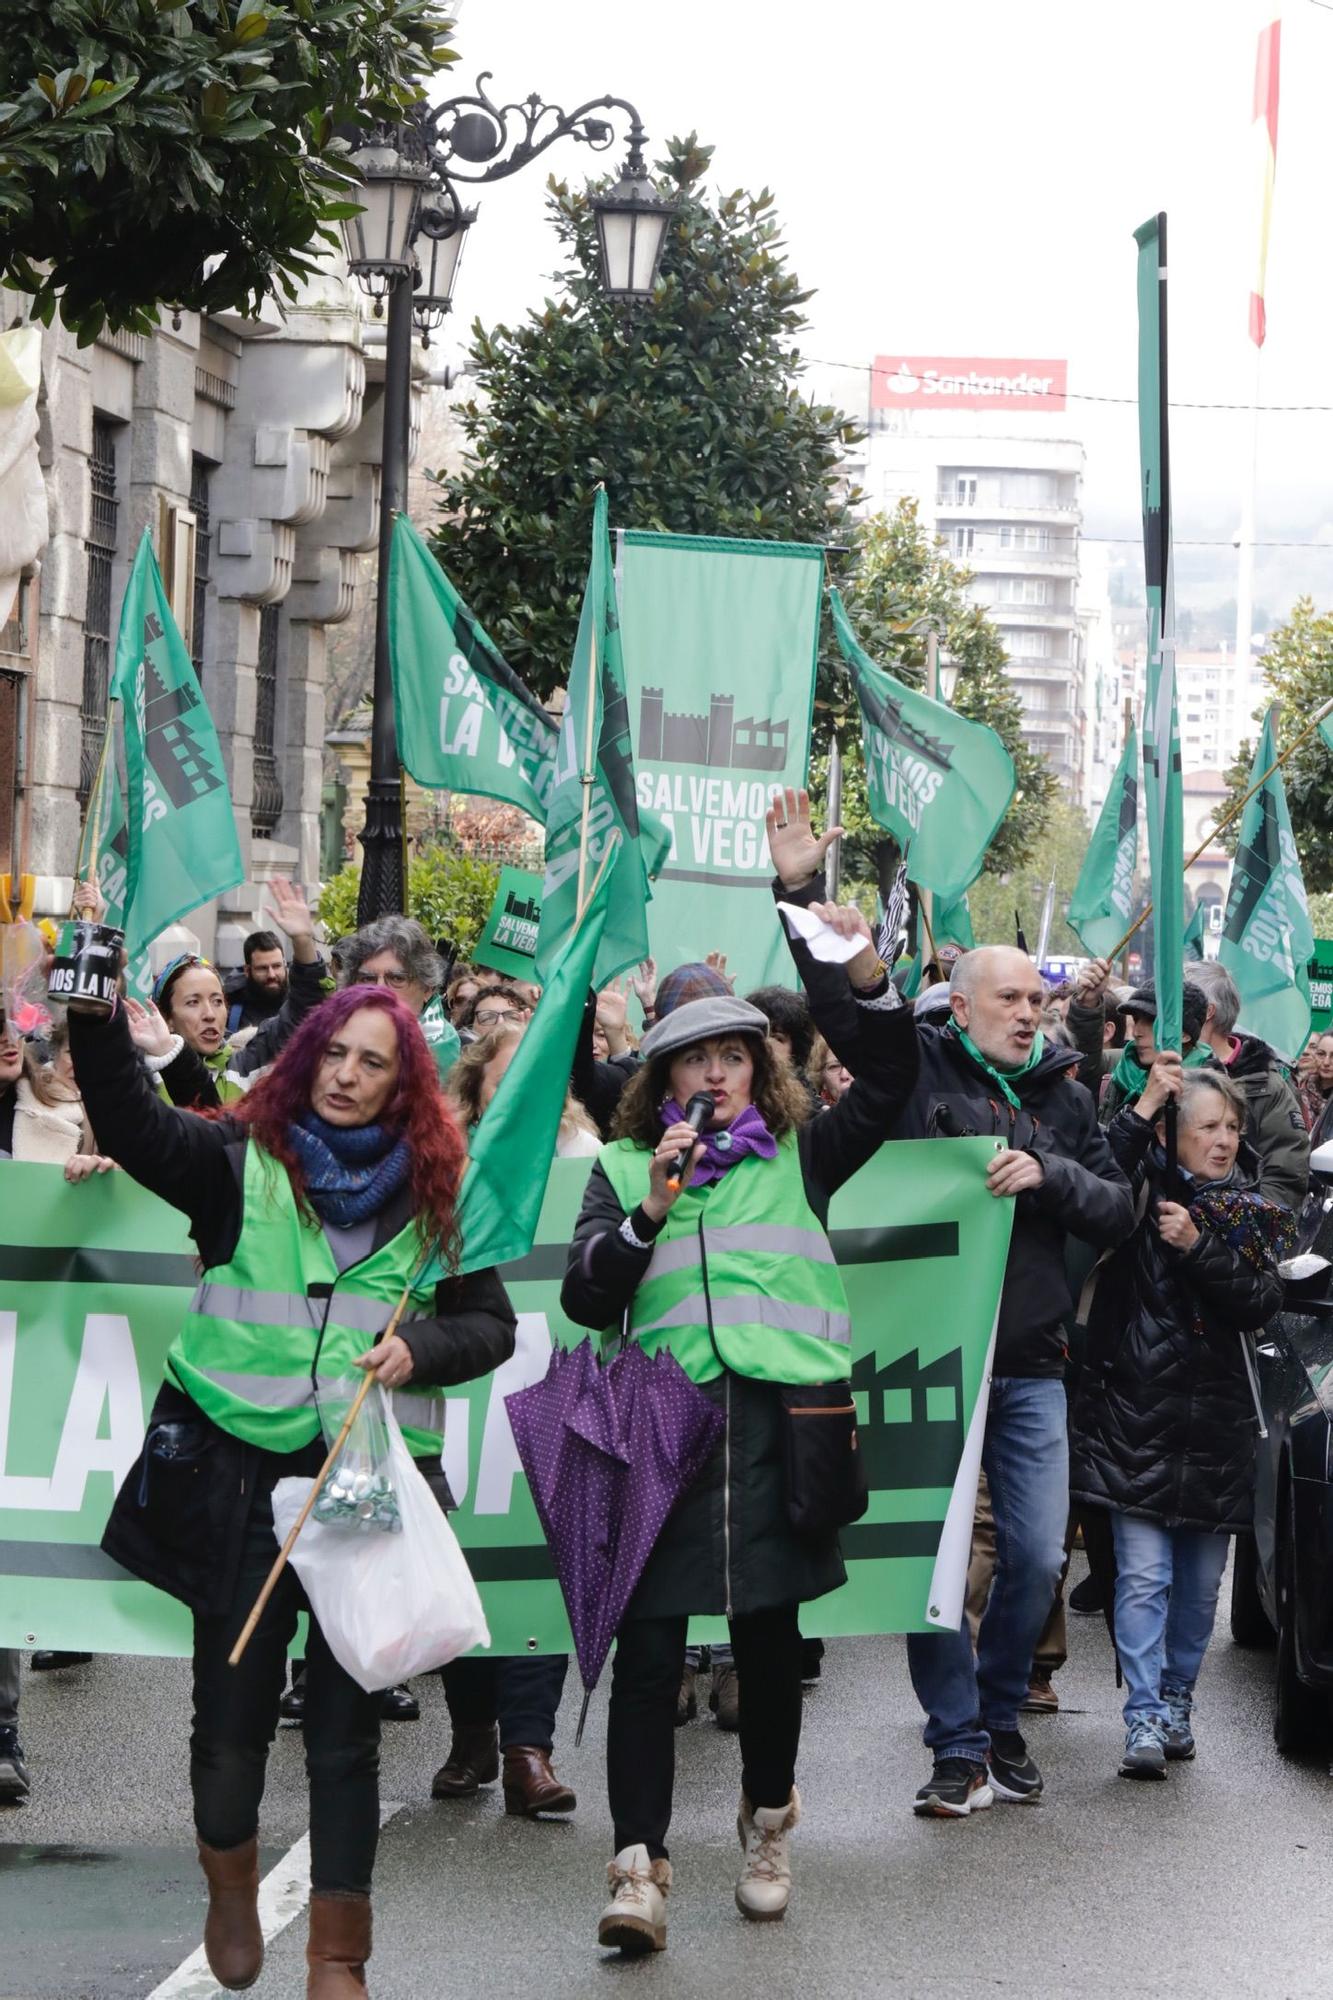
x=406 y=244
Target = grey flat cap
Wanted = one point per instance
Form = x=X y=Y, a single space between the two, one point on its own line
x=701 y=1021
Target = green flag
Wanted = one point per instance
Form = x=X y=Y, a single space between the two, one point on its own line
x=182 y=846
x=1267 y=939
x=466 y=722
x=1101 y=908
x=106 y=835
x=1161 y=734
x=1194 y=934
x=593 y=806
x=514 y=1144
x=939 y=783
x=952 y=924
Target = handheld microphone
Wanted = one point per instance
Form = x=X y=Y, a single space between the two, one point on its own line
x=697 y=1114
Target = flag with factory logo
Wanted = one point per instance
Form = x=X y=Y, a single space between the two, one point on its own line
x=1101 y=908
x=1267 y=938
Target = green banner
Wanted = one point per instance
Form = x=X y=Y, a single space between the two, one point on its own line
x=508 y=940
x=1319 y=972
x=720 y=639
x=1163 y=796
x=1101 y=908
x=1267 y=937
x=182 y=846
x=85 y=1324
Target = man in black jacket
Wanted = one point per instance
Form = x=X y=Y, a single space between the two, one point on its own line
x=988 y=1071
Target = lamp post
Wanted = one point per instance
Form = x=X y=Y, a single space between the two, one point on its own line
x=405 y=247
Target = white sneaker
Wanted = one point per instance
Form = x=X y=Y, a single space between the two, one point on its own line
x=764 y=1889
x=635 y=1918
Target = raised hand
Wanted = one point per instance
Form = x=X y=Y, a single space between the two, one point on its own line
x=797 y=851
x=612 y=1013
x=292 y=915
x=148 y=1030
x=88 y=902
x=867 y=968
x=643 y=981
x=716 y=961
x=1090 y=986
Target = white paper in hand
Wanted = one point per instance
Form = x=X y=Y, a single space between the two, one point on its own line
x=825 y=943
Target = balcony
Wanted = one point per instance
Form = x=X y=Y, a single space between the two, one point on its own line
x=986 y=556
x=1037 y=617
x=992 y=509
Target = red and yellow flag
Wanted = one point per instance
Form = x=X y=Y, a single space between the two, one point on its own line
x=1264 y=134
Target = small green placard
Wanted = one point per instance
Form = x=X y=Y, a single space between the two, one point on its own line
x=1321 y=986
x=509 y=939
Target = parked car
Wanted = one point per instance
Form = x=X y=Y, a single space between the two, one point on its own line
x=1282 y=1576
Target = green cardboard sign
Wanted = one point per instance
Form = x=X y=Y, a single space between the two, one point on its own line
x=508 y=941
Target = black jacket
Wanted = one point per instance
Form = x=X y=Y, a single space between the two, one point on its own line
x=598 y=1085
x=728 y=1545
x=1164 y=1422
x=197 y=1165
x=1083 y=1193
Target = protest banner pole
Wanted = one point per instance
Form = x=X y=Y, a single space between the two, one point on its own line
x=1232 y=812
x=85 y=869
x=247 y=1631
x=586 y=776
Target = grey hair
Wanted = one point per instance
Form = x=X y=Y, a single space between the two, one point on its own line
x=1196 y=1081
x=1219 y=990
x=968 y=969
x=408 y=942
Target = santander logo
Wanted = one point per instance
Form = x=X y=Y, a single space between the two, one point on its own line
x=918 y=382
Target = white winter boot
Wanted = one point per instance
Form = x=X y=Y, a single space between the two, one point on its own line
x=635 y=1918
x=764 y=1889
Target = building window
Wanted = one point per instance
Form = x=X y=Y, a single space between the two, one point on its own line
x=266 y=809
x=1018 y=537
x=101 y=551
x=963 y=540
x=203 y=546
x=1022 y=590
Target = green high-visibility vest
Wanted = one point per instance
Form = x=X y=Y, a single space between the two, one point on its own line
x=278 y=1322
x=774 y=1296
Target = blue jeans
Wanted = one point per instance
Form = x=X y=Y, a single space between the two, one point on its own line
x=1025 y=1457
x=1166 y=1586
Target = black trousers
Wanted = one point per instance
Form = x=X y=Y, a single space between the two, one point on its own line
x=236 y=1714
x=641 y=1727
x=520 y=1691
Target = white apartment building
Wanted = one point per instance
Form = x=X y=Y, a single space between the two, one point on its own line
x=1215 y=703
x=1004 y=493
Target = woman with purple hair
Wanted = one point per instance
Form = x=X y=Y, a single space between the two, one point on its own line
x=315 y=1202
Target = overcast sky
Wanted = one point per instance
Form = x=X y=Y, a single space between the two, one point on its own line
x=960 y=178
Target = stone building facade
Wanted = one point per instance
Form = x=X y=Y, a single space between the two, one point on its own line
x=250 y=449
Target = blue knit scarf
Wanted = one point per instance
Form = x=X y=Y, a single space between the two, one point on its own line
x=350 y=1170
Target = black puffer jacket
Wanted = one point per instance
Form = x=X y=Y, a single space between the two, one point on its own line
x=728 y=1546
x=1083 y=1194
x=1164 y=1423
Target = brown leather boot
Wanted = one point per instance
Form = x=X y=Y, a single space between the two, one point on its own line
x=473 y=1760
x=233 y=1941
x=531 y=1786
x=339 y=1946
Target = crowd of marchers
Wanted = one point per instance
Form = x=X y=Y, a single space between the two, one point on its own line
x=311 y=1119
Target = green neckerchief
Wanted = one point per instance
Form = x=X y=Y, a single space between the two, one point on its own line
x=1001 y=1072
x=1130 y=1076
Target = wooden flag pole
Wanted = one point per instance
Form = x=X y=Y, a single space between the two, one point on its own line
x=586 y=776
x=1231 y=813
x=86 y=865
x=271 y=1580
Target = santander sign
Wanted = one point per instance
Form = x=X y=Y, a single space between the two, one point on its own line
x=931 y=382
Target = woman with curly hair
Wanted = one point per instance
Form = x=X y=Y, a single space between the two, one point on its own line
x=313 y=1202
x=727 y=1265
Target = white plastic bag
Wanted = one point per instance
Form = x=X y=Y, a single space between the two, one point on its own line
x=390 y=1606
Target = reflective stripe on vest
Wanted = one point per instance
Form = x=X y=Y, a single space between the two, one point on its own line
x=278 y=1326
x=751 y=1248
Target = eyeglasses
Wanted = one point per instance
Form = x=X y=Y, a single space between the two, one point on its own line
x=491 y=1019
x=394 y=979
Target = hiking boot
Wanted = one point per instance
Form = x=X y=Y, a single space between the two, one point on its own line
x=956 y=1787
x=725 y=1697
x=473 y=1760
x=14 y=1785
x=687 y=1701
x=634 y=1920
x=1041 y=1698
x=1145 y=1748
x=1179 y=1743
x=764 y=1889
x=233 y=1939
x=1013 y=1774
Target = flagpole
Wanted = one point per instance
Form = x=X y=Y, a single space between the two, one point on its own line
x=586 y=776
x=86 y=864
x=1229 y=815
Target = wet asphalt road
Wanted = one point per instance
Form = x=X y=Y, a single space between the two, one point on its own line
x=1215 y=1883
